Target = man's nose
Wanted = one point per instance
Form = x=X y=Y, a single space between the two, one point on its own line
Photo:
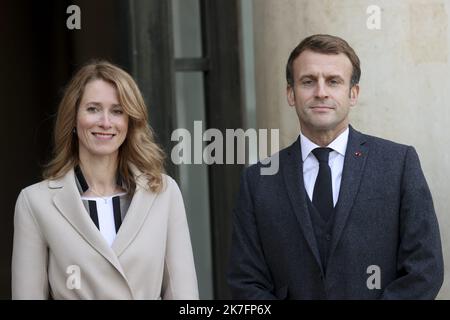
x=321 y=90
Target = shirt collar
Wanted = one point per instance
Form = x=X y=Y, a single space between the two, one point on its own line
x=339 y=144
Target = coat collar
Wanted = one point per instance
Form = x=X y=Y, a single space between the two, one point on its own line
x=354 y=164
x=292 y=169
x=68 y=202
x=140 y=206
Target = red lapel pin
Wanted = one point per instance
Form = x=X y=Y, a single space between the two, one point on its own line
x=358 y=153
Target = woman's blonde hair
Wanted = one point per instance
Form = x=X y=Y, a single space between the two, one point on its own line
x=139 y=147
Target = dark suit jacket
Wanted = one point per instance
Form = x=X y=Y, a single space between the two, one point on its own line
x=384 y=217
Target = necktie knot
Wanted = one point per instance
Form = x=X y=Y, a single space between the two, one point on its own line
x=322 y=154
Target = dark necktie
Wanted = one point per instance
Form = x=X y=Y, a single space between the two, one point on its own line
x=323 y=192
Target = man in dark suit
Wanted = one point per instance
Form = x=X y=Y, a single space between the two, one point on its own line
x=347 y=215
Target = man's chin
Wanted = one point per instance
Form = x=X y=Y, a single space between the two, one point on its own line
x=326 y=126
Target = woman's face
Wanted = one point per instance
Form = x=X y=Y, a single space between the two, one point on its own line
x=102 y=124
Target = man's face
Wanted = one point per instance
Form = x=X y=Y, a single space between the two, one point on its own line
x=321 y=92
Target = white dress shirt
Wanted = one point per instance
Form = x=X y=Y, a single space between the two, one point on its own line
x=105 y=213
x=335 y=161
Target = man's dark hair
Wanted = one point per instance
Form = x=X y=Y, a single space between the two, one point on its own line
x=326 y=44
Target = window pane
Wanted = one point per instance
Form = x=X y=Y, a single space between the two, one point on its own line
x=194 y=185
x=187 y=32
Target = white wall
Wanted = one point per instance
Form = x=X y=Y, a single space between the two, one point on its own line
x=405 y=83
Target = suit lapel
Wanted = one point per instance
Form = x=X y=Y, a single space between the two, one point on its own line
x=67 y=200
x=293 y=176
x=137 y=213
x=354 y=163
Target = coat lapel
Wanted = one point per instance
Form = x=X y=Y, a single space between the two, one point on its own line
x=67 y=200
x=293 y=176
x=354 y=163
x=137 y=213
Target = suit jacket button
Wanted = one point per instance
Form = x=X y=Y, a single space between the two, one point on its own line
x=328 y=237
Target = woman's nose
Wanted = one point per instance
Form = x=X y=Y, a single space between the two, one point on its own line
x=105 y=121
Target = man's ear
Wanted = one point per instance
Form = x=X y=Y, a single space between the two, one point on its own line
x=354 y=93
x=290 y=95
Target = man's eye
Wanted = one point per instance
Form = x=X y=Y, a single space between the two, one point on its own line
x=334 y=82
x=307 y=82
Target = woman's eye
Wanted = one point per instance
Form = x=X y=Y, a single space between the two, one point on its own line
x=91 y=109
x=118 y=111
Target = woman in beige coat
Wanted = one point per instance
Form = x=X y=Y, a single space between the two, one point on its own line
x=106 y=223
